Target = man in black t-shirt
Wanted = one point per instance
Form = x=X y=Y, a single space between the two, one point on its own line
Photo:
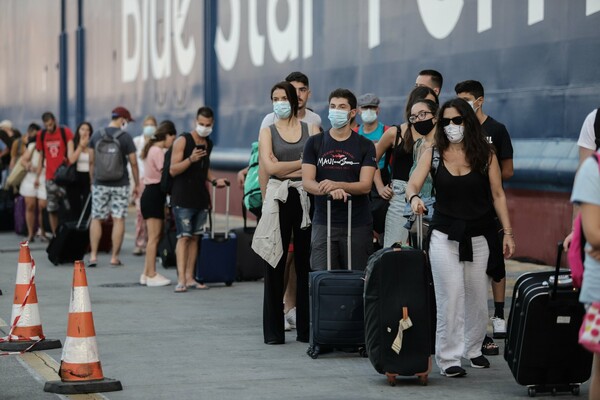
x=339 y=162
x=497 y=135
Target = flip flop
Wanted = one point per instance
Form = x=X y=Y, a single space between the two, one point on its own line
x=196 y=286
x=180 y=289
x=117 y=264
x=92 y=264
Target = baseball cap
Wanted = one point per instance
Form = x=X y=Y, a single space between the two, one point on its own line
x=122 y=112
x=368 y=99
x=6 y=124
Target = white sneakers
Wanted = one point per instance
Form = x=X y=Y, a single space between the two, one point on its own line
x=290 y=318
x=498 y=328
x=155 y=281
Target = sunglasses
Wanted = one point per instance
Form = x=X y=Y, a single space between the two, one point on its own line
x=456 y=121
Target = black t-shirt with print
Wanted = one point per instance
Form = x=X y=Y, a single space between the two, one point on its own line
x=340 y=161
x=498 y=136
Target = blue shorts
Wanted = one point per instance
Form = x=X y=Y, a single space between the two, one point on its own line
x=189 y=221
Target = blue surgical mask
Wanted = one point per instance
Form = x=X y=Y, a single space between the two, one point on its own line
x=149 y=130
x=368 y=116
x=338 y=118
x=282 y=109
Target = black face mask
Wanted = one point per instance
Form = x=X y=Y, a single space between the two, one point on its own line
x=424 y=127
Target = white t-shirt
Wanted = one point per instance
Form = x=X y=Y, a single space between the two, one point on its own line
x=587 y=137
x=310 y=118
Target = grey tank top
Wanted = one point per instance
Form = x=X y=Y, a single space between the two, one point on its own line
x=286 y=151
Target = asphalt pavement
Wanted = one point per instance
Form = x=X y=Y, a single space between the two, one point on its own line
x=204 y=344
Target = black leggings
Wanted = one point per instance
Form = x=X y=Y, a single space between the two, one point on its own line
x=290 y=218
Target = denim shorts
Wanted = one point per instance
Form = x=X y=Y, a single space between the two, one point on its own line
x=189 y=221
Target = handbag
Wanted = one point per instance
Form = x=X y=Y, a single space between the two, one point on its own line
x=65 y=175
x=16 y=176
x=589 y=334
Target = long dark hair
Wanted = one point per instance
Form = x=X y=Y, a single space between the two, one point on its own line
x=77 y=138
x=165 y=128
x=477 y=149
x=418 y=93
x=290 y=92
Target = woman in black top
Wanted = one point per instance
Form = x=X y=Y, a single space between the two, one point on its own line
x=463 y=240
x=401 y=143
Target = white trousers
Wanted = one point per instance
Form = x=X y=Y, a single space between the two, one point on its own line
x=461 y=291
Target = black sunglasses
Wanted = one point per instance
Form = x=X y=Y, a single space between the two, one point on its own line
x=456 y=121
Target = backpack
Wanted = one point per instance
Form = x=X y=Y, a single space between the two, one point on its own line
x=108 y=157
x=252 y=195
x=576 y=252
x=166 y=179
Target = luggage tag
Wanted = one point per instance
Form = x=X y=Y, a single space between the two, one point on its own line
x=403 y=325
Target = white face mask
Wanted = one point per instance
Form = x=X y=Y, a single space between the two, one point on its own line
x=203 y=131
x=472 y=104
x=368 y=116
x=454 y=133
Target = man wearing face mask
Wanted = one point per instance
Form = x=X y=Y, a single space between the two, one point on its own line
x=190 y=169
x=372 y=129
x=472 y=92
x=339 y=162
x=110 y=181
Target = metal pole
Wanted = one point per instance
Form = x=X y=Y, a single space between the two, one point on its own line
x=80 y=66
x=211 y=87
x=62 y=67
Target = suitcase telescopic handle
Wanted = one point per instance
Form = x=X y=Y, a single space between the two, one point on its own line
x=559 y=251
x=214 y=198
x=349 y=237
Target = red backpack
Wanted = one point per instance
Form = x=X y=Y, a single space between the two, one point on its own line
x=576 y=253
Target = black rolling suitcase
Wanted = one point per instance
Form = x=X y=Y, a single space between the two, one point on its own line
x=249 y=265
x=336 y=302
x=71 y=241
x=398 y=289
x=217 y=251
x=542 y=348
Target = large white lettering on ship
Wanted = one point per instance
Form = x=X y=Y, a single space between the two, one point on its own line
x=141 y=50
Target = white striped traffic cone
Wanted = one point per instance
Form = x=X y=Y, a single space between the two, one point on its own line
x=80 y=369
x=26 y=332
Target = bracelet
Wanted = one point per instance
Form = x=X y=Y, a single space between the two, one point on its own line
x=410 y=199
x=509 y=234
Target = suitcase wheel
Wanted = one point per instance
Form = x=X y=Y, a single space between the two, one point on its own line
x=228 y=283
x=391 y=378
x=313 y=352
x=362 y=351
x=423 y=380
x=531 y=391
x=575 y=390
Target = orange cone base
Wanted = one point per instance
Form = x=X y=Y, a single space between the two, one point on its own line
x=22 y=345
x=99 y=386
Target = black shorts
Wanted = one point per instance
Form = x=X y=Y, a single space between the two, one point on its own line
x=152 y=203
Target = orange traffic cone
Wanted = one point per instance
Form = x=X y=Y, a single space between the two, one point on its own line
x=26 y=332
x=80 y=369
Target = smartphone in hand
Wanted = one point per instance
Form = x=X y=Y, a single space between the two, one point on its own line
x=201 y=146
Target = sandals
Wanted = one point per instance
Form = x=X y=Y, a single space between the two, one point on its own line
x=197 y=286
x=180 y=288
x=489 y=348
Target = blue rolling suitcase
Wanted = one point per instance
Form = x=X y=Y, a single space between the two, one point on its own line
x=336 y=303
x=216 y=259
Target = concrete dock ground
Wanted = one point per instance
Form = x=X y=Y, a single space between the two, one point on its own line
x=205 y=344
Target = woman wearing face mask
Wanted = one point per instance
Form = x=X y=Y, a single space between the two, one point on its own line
x=423 y=120
x=463 y=248
x=152 y=202
x=80 y=190
x=141 y=235
x=285 y=210
x=397 y=147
